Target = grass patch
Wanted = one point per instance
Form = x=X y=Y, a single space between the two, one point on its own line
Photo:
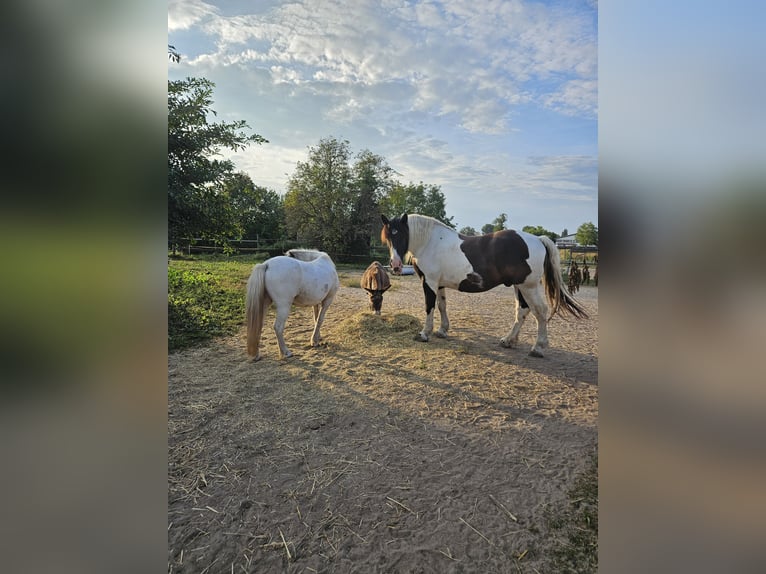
x=575 y=527
x=206 y=297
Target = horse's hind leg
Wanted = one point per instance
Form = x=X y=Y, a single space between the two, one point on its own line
x=279 y=329
x=441 y=301
x=522 y=310
x=319 y=319
x=536 y=299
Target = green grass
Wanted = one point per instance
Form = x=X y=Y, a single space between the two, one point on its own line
x=206 y=297
x=576 y=526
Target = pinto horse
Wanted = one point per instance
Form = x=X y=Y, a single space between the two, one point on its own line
x=444 y=258
x=302 y=277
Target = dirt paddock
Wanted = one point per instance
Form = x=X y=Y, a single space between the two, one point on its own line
x=377 y=453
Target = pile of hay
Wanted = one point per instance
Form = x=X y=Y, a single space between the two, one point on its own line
x=382 y=329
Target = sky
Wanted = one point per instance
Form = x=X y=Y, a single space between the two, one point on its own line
x=495 y=101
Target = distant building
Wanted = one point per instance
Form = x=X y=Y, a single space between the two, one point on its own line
x=567 y=241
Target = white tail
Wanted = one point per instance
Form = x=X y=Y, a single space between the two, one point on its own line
x=257 y=302
x=558 y=295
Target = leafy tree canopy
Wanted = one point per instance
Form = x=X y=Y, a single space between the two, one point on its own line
x=587 y=234
x=260 y=211
x=425 y=199
x=198 y=203
x=468 y=230
x=540 y=230
x=317 y=202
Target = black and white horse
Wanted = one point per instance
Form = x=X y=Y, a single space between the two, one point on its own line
x=444 y=258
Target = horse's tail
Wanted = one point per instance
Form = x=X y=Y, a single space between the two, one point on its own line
x=256 y=304
x=558 y=295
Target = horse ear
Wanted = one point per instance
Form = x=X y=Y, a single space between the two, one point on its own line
x=404 y=219
x=384 y=219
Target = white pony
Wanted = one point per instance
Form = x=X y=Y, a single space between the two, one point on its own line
x=302 y=277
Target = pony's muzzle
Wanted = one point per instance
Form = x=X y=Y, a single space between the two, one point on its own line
x=396 y=265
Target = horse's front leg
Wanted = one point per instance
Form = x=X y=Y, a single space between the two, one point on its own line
x=279 y=329
x=441 y=301
x=430 y=304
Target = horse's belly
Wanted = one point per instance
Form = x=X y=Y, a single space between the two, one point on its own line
x=314 y=292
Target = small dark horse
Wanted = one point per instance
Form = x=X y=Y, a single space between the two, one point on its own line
x=444 y=258
x=376 y=282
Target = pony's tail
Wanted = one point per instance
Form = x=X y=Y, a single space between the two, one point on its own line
x=558 y=295
x=256 y=303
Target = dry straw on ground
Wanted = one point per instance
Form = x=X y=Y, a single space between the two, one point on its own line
x=377 y=453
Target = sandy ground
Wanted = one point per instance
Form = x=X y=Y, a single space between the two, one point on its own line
x=377 y=453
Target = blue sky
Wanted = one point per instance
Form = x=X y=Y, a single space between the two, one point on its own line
x=494 y=101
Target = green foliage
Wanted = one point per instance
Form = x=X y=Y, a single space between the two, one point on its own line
x=206 y=298
x=425 y=199
x=587 y=234
x=468 y=230
x=333 y=205
x=499 y=223
x=260 y=212
x=575 y=528
x=540 y=230
x=487 y=228
x=318 y=200
x=198 y=203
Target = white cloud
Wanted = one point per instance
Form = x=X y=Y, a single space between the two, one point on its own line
x=183 y=14
x=438 y=88
x=473 y=60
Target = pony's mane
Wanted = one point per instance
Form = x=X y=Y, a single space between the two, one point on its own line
x=421 y=227
x=305 y=254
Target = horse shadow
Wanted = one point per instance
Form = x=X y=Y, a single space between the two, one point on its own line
x=559 y=363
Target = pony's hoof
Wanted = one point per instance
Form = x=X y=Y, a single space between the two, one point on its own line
x=256 y=358
x=535 y=353
x=441 y=334
x=420 y=337
x=506 y=343
x=287 y=355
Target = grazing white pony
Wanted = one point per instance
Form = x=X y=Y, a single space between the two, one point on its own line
x=302 y=277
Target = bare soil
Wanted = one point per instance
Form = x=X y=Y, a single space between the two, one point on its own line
x=377 y=453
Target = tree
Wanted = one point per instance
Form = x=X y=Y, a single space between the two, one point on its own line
x=371 y=180
x=540 y=230
x=499 y=223
x=487 y=228
x=468 y=230
x=587 y=234
x=425 y=199
x=319 y=202
x=260 y=211
x=198 y=203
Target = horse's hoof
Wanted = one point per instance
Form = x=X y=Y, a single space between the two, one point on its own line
x=441 y=334
x=505 y=343
x=535 y=353
x=256 y=358
x=421 y=338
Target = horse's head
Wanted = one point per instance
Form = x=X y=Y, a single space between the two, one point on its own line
x=396 y=234
x=376 y=300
